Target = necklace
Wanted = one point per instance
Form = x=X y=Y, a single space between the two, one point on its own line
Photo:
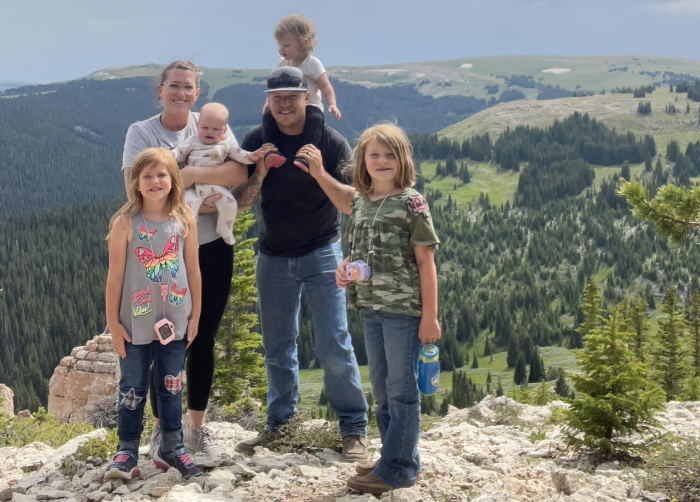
x=370 y=251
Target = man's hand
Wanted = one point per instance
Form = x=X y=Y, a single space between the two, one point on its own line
x=314 y=158
x=341 y=279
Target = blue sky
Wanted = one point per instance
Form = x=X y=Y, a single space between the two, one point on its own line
x=51 y=40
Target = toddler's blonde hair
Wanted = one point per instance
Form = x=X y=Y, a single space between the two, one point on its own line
x=300 y=27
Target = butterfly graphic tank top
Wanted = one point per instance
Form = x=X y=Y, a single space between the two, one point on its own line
x=156 y=255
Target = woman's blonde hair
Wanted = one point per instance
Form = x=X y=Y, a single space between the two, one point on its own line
x=177 y=208
x=300 y=27
x=392 y=137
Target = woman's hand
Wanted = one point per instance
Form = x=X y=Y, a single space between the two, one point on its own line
x=209 y=204
x=119 y=337
x=341 y=279
x=192 y=329
x=429 y=330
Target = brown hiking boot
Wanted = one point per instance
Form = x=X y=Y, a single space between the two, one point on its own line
x=355 y=448
x=247 y=447
x=364 y=468
x=369 y=483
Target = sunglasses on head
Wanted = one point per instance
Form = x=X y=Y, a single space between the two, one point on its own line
x=283 y=81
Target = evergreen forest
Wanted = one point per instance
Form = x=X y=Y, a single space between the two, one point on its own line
x=512 y=276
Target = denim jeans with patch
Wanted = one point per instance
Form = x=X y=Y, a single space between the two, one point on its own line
x=280 y=281
x=393 y=350
x=168 y=362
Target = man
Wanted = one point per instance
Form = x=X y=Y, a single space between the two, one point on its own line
x=299 y=247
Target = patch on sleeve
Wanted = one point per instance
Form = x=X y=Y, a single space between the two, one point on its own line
x=130 y=400
x=173 y=384
x=418 y=205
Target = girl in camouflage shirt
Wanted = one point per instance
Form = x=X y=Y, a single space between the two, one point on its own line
x=391 y=230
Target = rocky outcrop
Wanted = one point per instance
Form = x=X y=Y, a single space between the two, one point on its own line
x=7 y=404
x=84 y=379
x=498 y=451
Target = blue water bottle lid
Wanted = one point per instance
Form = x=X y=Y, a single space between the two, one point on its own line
x=429 y=353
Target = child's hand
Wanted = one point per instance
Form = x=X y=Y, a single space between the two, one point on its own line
x=335 y=111
x=192 y=329
x=119 y=336
x=429 y=330
x=256 y=155
x=341 y=279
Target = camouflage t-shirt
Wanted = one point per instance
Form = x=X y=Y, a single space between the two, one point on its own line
x=402 y=222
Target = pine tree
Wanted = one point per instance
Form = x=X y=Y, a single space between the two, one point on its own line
x=670 y=351
x=322 y=399
x=535 y=370
x=475 y=361
x=561 y=387
x=240 y=365
x=543 y=395
x=616 y=398
x=487 y=347
x=520 y=374
x=591 y=310
x=488 y=383
x=673 y=212
x=512 y=355
x=639 y=323
x=499 y=388
x=694 y=323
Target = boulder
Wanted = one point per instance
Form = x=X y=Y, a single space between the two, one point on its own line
x=84 y=379
x=7 y=404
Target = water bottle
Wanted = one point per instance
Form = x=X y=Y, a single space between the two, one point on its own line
x=429 y=370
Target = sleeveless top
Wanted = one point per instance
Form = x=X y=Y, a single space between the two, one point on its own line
x=142 y=304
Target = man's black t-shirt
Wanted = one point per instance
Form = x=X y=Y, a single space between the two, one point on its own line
x=297 y=216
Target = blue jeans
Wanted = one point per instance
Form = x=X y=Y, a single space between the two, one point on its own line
x=280 y=281
x=393 y=350
x=168 y=361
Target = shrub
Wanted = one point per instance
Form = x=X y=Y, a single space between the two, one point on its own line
x=299 y=436
x=42 y=427
x=96 y=447
x=674 y=469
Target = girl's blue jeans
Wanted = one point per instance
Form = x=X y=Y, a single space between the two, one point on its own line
x=168 y=361
x=393 y=350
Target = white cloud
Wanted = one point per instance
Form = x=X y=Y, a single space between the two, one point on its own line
x=678 y=8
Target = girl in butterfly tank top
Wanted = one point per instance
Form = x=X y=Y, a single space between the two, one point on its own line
x=153 y=307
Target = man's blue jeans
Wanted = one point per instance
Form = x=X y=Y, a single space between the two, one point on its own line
x=393 y=350
x=280 y=281
x=168 y=361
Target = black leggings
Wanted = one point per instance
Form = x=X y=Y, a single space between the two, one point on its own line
x=216 y=265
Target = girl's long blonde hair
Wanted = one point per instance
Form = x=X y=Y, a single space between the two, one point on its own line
x=392 y=137
x=177 y=208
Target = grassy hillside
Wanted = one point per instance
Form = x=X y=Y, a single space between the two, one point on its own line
x=615 y=110
x=469 y=76
x=311 y=381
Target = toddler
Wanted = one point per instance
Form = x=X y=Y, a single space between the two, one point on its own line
x=296 y=39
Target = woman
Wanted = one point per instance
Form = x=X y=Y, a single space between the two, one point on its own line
x=178 y=90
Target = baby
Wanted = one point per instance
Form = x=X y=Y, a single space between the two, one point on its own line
x=296 y=39
x=210 y=148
